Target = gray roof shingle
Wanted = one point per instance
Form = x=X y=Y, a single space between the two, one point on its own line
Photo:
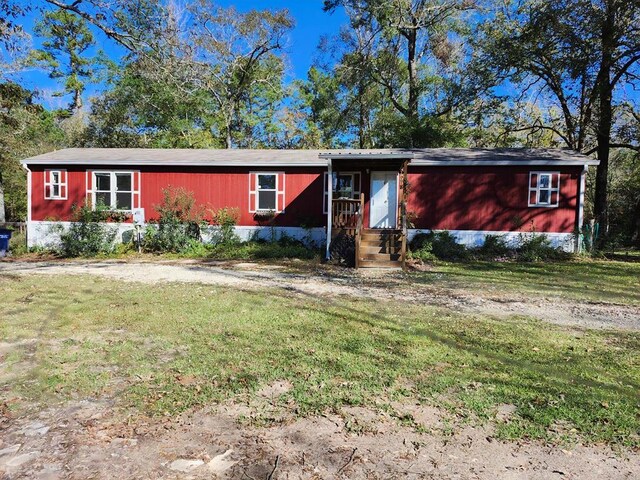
x=304 y=158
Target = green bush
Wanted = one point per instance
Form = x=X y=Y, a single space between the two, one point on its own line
x=178 y=224
x=424 y=253
x=18 y=243
x=261 y=250
x=226 y=219
x=440 y=245
x=537 y=247
x=88 y=234
x=494 y=246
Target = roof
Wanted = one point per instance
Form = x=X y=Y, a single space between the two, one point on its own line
x=305 y=158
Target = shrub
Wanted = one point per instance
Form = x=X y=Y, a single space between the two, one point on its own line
x=423 y=253
x=494 y=246
x=88 y=234
x=440 y=245
x=178 y=224
x=226 y=219
x=420 y=240
x=287 y=241
x=261 y=250
x=536 y=248
x=18 y=243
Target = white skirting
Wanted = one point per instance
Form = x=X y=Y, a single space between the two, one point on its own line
x=475 y=238
x=47 y=234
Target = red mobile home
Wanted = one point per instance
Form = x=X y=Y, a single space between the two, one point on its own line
x=374 y=196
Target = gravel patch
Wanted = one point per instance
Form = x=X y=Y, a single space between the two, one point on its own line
x=370 y=283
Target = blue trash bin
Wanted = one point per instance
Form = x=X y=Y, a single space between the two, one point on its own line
x=5 y=236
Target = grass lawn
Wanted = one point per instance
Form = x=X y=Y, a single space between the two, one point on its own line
x=586 y=280
x=166 y=348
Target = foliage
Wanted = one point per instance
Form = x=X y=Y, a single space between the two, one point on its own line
x=88 y=234
x=260 y=250
x=18 y=243
x=441 y=245
x=624 y=199
x=178 y=225
x=532 y=247
x=577 y=55
x=494 y=246
x=26 y=128
x=12 y=33
x=535 y=247
x=226 y=219
x=424 y=253
x=67 y=38
x=410 y=58
x=138 y=111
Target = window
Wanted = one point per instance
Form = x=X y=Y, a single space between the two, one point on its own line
x=55 y=184
x=544 y=189
x=266 y=192
x=113 y=190
x=345 y=185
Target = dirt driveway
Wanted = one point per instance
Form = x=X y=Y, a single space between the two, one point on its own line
x=372 y=283
x=90 y=438
x=84 y=440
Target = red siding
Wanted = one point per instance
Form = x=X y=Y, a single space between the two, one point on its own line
x=213 y=187
x=452 y=198
x=489 y=198
x=42 y=209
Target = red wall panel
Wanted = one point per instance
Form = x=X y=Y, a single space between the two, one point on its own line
x=214 y=188
x=217 y=188
x=42 y=209
x=489 y=198
x=452 y=198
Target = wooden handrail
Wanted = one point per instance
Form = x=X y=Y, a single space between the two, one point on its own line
x=358 y=238
x=346 y=213
x=403 y=213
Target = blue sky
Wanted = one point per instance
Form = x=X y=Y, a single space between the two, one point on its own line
x=301 y=47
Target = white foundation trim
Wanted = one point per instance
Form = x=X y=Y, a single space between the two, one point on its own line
x=476 y=238
x=47 y=234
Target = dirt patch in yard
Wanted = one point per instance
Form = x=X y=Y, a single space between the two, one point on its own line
x=89 y=439
x=375 y=284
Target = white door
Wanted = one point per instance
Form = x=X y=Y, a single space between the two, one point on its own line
x=383 y=205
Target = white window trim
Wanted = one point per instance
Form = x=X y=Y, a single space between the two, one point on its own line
x=355 y=194
x=256 y=193
x=113 y=191
x=536 y=190
x=48 y=184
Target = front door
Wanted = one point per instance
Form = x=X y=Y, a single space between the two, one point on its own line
x=384 y=199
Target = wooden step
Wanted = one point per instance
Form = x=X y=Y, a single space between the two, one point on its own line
x=365 y=248
x=382 y=230
x=380 y=248
x=380 y=243
x=380 y=257
x=380 y=234
x=380 y=264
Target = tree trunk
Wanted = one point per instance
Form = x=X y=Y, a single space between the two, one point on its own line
x=604 y=124
x=3 y=217
x=361 y=117
x=636 y=234
x=77 y=101
x=227 y=125
x=412 y=65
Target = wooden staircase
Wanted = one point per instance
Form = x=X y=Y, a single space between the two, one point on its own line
x=379 y=248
